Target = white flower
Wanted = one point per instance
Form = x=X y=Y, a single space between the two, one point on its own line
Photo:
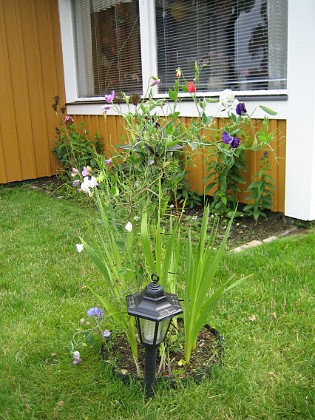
x=79 y=247
x=77 y=358
x=227 y=99
x=88 y=183
x=128 y=227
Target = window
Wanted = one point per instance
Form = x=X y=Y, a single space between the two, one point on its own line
x=107 y=34
x=242 y=44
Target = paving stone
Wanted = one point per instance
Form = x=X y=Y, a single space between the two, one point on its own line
x=247 y=246
x=270 y=239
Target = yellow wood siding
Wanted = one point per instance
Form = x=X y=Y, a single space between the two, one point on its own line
x=111 y=131
x=31 y=74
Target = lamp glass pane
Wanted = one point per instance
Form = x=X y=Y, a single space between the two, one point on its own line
x=148 y=330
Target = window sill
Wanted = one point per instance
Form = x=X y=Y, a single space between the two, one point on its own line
x=187 y=108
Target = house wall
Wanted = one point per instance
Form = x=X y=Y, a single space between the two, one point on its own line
x=31 y=74
x=300 y=157
x=112 y=134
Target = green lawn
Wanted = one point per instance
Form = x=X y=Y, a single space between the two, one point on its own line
x=267 y=323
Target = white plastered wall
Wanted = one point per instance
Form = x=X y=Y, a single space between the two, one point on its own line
x=300 y=142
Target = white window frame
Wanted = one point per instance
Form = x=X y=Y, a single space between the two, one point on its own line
x=274 y=99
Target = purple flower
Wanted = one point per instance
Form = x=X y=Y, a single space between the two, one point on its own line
x=106 y=333
x=241 y=108
x=76 y=183
x=106 y=108
x=109 y=98
x=74 y=171
x=234 y=142
x=226 y=138
x=97 y=312
x=85 y=171
x=108 y=162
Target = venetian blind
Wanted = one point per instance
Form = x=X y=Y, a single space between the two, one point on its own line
x=107 y=42
x=242 y=43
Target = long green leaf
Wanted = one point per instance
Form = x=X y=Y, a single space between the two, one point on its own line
x=146 y=245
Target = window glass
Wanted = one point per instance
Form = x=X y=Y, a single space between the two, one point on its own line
x=108 y=57
x=242 y=43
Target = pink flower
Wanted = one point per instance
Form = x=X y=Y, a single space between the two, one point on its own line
x=191 y=87
x=85 y=171
x=155 y=81
x=108 y=162
x=68 y=119
x=109 y=98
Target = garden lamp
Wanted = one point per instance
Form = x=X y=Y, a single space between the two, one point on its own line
x=153 y=310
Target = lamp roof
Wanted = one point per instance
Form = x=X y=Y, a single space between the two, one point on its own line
x=153 y=303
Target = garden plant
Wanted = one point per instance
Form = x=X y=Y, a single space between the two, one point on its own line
x=159 y=146
x=136 y=232
x=130 y=240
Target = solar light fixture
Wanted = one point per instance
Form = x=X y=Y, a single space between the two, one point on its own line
x=153 y=310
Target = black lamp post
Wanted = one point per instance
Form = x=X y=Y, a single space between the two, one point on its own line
x=153 y=309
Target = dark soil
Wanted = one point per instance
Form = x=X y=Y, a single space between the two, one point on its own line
x=244 y=229
x=208 y=353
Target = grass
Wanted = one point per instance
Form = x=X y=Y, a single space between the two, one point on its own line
x=267 y=323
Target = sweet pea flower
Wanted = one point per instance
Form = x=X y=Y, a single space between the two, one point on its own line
x=191 y=87
x=97 y=312
x=68 y=120
x=77 y=358
x=109 y=98
x=106 y=333
x=85 y=171
x=108 y=162
x=155 y=81
x=226 y=138
x=128 y=227
x=227 y=99
x=241 y=109
x=234 y=142
x=88 y=184
x=79 y=247
x=74 y=172
x=75 y=183
x=106 y=108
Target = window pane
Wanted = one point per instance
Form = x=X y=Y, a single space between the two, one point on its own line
x=241 y=42
x=107 y=46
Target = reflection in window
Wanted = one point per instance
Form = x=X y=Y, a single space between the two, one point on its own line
x=108 y=46
x=241 y=42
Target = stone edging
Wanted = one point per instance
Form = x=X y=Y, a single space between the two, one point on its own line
x=254 y=243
